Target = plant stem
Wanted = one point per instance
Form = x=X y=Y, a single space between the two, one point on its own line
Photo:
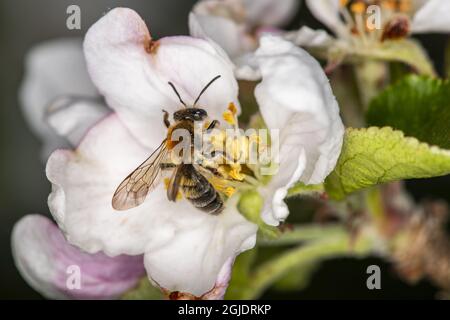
x=370 y=76
x=303 y=233
x=339 y=244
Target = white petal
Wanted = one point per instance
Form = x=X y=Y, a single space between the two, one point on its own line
x=433 y=16
x=184 y=247
x=193 y=260
x=270 y=12
x=132 y=71
x=72 y=117
x=307 y=37
x=247 y=68
x=83 y=182
x=295 y=97
x=47 y=262
x=327 y=12
x=52 y=69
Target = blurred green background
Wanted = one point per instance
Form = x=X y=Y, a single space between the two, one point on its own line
x=24 y=187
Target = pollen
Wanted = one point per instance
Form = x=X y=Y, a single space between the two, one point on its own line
x=343 y=3
x=405 y=6
x=231 y=172
x=229 y=191
x=389 y=5
x=166 y=183
x=235 y=172
x=232 y=108
x=358 y=7
x=229 y=117
x=230 y=114
x=166 y=186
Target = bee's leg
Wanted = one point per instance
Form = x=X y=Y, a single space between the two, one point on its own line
x=166 y=118
x=166 y=166
x=212 y=125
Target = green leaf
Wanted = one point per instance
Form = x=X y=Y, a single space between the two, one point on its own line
x=302 y=189
x=240 y=274
x=447 y=60
x=374 y=155
x=419 y=106
x=303 y=233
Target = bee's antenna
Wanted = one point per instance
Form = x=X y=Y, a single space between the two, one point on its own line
x=178 y=95
x=205 y=88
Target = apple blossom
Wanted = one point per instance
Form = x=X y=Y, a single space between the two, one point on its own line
x=419 y=16
x=365 y=25
x=56 y=80
x=45 y=259
x=236 y=25
x=187 y=253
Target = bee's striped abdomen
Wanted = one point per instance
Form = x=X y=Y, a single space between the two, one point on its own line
x=199 y=191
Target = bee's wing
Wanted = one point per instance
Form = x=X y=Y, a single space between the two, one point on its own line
x=174 y=184
x=134 y=188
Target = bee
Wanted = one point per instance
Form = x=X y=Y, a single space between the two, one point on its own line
x=190 y=179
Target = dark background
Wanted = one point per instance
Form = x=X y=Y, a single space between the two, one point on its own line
x=24 y=187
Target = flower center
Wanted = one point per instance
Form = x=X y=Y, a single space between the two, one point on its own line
x=237 y=154
x=372 y=21
x=228 y=157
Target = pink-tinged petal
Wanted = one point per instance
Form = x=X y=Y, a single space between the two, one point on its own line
x=52 y=69
x=295 y=97
x=47 y=262
x=270 y=12
x=132 y=71
x=184 y=247
x=222 y=282
x=432 y=16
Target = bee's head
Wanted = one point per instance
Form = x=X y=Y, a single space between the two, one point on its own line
x=193 y=114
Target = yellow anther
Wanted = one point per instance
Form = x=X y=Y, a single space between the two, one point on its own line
x=231 y=171
x=358 y=7
x=235 y=173
x=229 y=117
x=229 y=191
x=232 y=108
x=405 y=6
x=389 y=5
x=343 y=3
x=223 y=186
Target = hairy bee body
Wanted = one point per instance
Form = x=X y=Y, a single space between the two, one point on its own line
x=186 y=177
x=199 y=191
x=193 y=184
